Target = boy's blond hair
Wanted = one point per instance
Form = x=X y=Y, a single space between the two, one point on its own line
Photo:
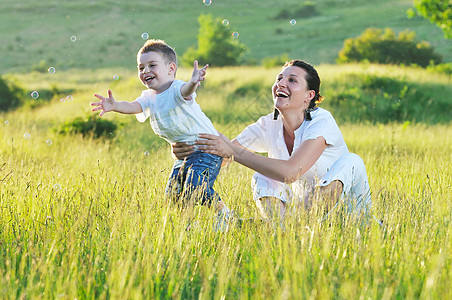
x=159 y=46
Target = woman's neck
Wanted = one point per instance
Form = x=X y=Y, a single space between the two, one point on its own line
x=292 y=122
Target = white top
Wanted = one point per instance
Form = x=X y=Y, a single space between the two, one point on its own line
x=266 y=136
x=171 y=116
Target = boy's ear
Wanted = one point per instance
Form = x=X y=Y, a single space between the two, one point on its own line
x=172 y=68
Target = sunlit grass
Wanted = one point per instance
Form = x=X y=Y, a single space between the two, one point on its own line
x=86 y=218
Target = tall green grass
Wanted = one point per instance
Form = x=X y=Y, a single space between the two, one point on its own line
x=87 y=218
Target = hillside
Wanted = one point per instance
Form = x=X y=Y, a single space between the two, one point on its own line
x=108 y=33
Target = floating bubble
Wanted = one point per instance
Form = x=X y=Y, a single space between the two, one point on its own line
x=69 y=98
x=225 y=22
x=57 y=187
x=27 y=136
x=63 y=100
x=116 y=77
x=6 y=122
x=293 y=22
x=235 y=34
x=73 y=38
x=34 y=95
x=51 y=70
x=146 y=153
x=207 y=2
x=144 y=35
x=49 y=142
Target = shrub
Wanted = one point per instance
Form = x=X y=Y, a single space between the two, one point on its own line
x=382 y=99
x=11 y=94
x=247 y=92
x=275 y=61
x=378 y=46
x=216 y=45
x=91 y=126
x=304 y=10
x=445 y=68
x=43 y=65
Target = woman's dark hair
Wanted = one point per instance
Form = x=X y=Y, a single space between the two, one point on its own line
x=312 y=79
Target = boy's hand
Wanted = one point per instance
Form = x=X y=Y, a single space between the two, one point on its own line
x=198 y=74
x=106 y=104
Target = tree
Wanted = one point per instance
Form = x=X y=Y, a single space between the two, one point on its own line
x=438 y=12
x=216 y=45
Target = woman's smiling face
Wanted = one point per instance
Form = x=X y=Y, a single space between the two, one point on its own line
x=290 y=90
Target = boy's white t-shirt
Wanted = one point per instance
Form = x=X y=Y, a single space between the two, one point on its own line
x=267 y=136
x=172 y=117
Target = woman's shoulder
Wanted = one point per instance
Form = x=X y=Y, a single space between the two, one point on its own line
x=266 y=120
x=321 y=114
x=265 y=123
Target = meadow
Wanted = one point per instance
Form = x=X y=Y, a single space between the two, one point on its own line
x=87 y=218
x=84 y=217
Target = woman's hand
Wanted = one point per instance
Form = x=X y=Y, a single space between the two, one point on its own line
x=181 y=150
x=216 y=144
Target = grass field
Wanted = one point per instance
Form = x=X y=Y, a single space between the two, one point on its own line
x=108 y=33
x=85 y=218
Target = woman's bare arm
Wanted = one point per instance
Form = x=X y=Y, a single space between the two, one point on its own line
x=288 y=171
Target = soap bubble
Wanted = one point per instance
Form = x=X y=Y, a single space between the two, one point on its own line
x=49 y=142
x=34 y=95
x=62 y=100
x=146 y=153
x=57 y=187
x=27 y=136
x=51 y=70
x=73 y=38
x=225 y=22
x=293 y=22
x=235 y=34
x=144 y=35
x=207 y=2
x=6 y=122
x=69 y=98
x=116 y=77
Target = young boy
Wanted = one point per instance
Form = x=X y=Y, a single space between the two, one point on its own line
x=175 y=116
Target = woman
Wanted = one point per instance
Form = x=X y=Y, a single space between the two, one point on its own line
x=308 y=159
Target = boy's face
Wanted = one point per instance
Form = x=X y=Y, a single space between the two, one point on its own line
x=154 y=72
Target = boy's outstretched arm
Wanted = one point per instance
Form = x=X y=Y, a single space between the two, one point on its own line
x=109 y=104
x=196 y=77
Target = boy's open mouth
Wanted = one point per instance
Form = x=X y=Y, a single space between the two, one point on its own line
x=148 y=78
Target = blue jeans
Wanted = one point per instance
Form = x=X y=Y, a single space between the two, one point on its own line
x=194 y=178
